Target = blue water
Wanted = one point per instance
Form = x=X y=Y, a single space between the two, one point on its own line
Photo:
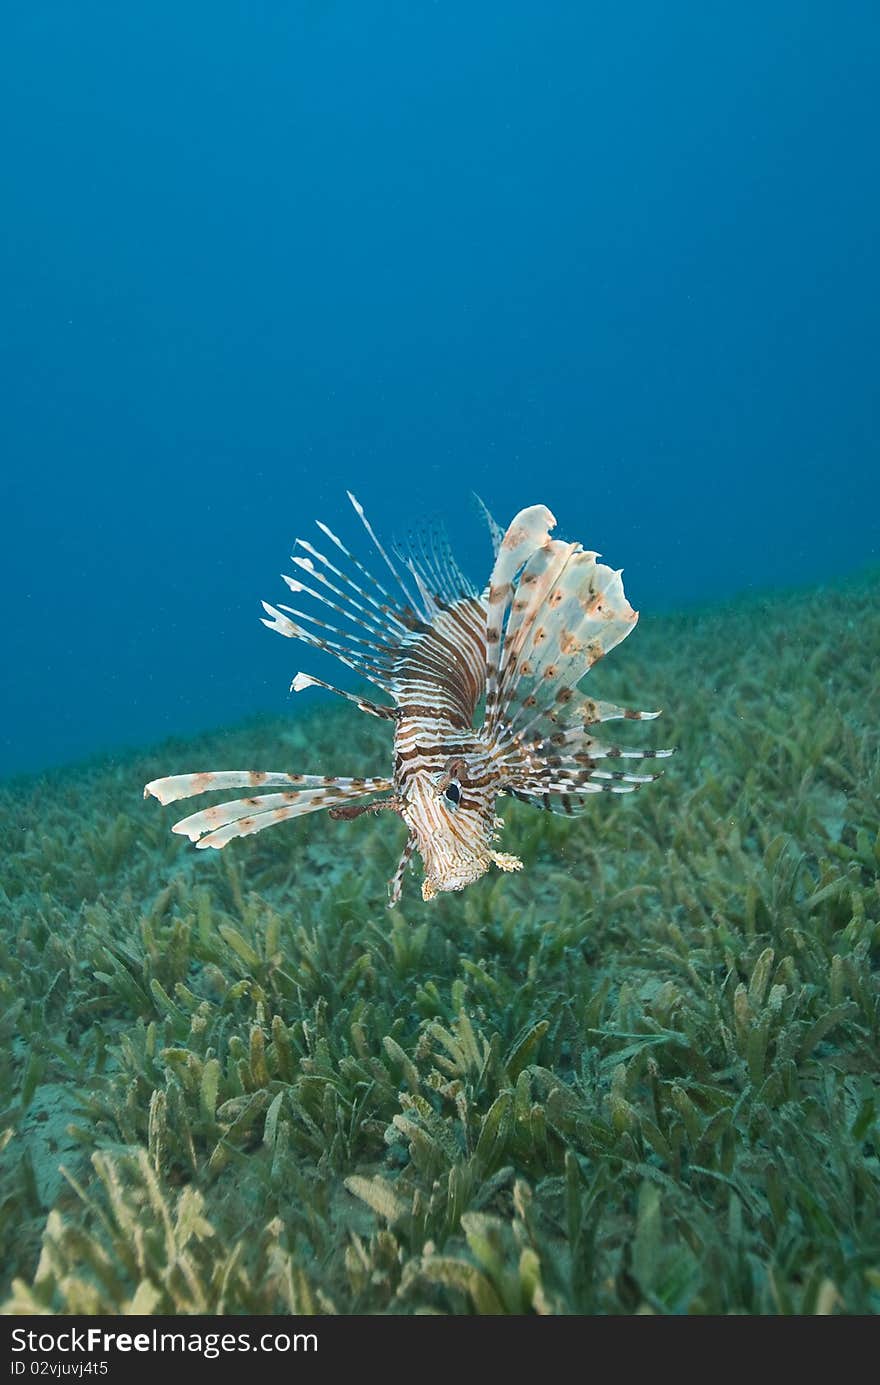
x=621 y=260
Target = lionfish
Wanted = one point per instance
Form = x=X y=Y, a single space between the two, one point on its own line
x=438 y=648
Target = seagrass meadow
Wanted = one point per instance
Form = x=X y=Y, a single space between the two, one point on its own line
x=641 y=1076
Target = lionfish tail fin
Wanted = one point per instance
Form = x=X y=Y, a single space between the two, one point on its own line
x=215 y=826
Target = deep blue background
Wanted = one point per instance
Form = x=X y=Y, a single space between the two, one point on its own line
x=618 y=259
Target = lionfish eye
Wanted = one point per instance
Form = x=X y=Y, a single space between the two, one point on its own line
x=453 y=792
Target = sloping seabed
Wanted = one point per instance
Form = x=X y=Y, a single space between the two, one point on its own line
x=641 y=1075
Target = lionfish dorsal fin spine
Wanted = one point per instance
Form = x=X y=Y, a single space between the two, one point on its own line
x=347 y=606
x=385 y=613
x=359 y=511
x=496 y=533
x=301 y=681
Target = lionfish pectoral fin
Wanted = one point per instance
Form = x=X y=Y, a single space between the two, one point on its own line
x=214 y=827
x=175 y=786
x=609 y=711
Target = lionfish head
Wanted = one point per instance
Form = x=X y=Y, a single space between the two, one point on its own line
x=452 y=820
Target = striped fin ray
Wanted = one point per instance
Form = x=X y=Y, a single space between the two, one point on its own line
x=359 y=511
x=348 y=607
x=548 y=773
x=564 y=798
x=577 y=770
x=381 y=614
x=569 y=725
x=458 y=583
x=429 y=557
x=575 y=717
x=590 y=711
x=383 y=624
x=217 y=825
x=425 y=651
x=377 y=648
x=377 y=615
x=496 y=533
x=302 y=681
x=373 y=654
x=175 y=786
x=566 y=787
x=370 y=670
x=576 y=745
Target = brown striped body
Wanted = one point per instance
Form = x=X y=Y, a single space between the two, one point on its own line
x=440 y=684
